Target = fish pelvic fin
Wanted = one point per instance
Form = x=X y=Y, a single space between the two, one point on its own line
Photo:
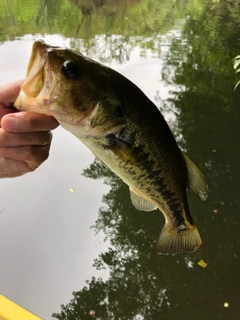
x=196 y=180
x=140 y=203
x=175 y=241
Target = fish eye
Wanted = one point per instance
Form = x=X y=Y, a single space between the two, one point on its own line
x=70 y=70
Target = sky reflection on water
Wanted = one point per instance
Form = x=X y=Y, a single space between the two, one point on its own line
x=180 y=55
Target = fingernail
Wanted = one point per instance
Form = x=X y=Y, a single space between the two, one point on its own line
x=10 y=123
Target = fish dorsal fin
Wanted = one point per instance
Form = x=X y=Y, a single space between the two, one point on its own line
x=196 y=180
x=140 y=203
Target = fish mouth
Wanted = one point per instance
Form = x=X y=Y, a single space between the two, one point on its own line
x=37 y=90
x=37 y=71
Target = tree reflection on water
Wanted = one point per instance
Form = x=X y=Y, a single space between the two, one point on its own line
x=141 y=284
x=197 y=41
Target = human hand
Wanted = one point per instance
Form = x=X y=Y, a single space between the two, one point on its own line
x=25 y=138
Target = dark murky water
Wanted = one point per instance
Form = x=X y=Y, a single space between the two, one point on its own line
x=180 y=54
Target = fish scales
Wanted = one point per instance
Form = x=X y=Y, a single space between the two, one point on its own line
x=125 y=131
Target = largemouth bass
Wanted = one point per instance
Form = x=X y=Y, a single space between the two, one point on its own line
x=124 y=130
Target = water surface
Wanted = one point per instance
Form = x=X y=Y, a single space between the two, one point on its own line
x=180 y=54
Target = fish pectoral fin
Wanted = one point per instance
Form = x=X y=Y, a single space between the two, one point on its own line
x=140 y=203
x=124 y=150
x=196 y=180
x=107 y=128
x=107 y=117
x=175 y=241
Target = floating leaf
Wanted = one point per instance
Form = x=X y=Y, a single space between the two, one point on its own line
x=202 y=263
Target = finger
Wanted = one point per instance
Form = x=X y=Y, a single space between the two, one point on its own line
x=5 y=111
x=9 y=92
x=28 y=122
x=10 y=168
x=15 y=139
x=32 y=155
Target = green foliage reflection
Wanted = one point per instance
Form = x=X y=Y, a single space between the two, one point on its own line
x=106 y=30
x=199 y=65
x=203 y=38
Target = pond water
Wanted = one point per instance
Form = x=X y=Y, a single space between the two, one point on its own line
x=180 y=54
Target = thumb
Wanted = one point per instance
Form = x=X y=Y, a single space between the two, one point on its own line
x=9 y=92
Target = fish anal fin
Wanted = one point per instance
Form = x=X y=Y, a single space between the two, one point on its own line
x=196 y=180
x=175 y=241
x=141 y=203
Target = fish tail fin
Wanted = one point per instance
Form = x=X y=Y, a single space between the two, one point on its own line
x=174 y=241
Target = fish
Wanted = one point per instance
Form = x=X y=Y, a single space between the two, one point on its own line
x=124 y=129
